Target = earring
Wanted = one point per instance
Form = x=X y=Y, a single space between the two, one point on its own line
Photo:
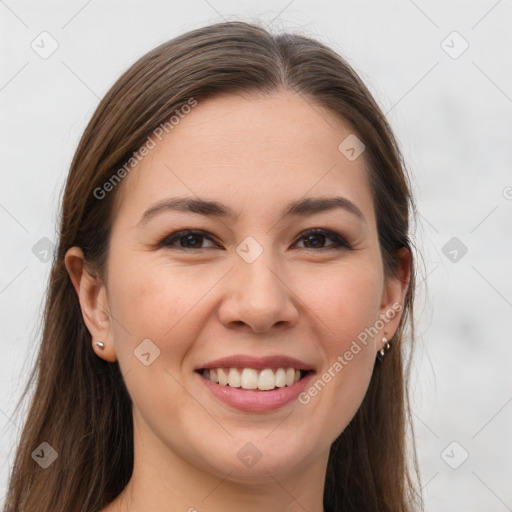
x=385 y=343
x=100 y=344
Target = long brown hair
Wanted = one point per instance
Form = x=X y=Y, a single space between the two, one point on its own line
x=80 y=405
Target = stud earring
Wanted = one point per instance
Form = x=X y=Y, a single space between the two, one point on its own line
x=100 y=344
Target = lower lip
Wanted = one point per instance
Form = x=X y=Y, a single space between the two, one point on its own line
x=251 y=400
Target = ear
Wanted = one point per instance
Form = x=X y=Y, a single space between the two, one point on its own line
x=92 y=296
x=393 y=297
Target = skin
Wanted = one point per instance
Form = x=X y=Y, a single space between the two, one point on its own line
x=303 y=298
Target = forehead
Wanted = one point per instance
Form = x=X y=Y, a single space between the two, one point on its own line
x=249 y=152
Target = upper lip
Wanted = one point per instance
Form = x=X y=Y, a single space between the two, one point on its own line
x=258 y=363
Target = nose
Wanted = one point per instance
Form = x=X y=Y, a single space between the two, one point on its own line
x=258 y=297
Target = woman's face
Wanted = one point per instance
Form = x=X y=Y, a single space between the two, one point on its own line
x=250 y=289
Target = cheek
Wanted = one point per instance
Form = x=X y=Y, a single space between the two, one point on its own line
x=347 y=305
x=143 y=297
x=161 y=302
x=346 y=301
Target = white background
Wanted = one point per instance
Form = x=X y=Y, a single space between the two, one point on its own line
x=452 y=117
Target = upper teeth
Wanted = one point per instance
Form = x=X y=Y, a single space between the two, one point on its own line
x=249 y=378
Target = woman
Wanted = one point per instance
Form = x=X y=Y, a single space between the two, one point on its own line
x=226 y=311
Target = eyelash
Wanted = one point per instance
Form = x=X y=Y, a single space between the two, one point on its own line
x=339 y=242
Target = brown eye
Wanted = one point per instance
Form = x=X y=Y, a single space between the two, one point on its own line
x=187 y=240
x=191 y=241
x=318 y=238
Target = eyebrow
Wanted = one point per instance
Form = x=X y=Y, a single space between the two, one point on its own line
x=301 y=207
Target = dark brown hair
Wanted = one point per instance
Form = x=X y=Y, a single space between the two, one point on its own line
x=80 y=405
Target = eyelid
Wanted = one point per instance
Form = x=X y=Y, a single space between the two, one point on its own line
x=341 y=242
x=165 y=242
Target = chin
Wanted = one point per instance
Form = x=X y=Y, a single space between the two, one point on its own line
x=258 y=457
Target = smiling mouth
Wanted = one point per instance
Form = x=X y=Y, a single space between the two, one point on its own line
x=248 y=379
